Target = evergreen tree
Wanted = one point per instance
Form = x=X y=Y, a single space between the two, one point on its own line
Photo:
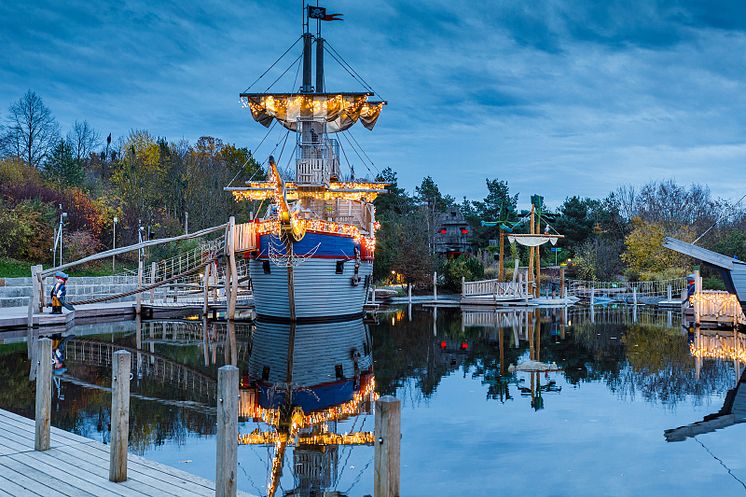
x=62 y=167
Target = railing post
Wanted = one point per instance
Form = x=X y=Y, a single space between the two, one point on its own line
x=226 y=460
x=153 y=269
x=138 y=299
x=121 y=364
x=43 y=393
x=387 y=447
x=36 y=295
x=232 y=269
x=206 y=289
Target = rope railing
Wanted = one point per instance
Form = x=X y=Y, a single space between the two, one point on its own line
x=622 y=289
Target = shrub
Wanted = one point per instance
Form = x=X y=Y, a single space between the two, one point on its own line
x=466 y=266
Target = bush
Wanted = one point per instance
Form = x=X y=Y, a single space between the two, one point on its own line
x=463 y=266
x=27 y=231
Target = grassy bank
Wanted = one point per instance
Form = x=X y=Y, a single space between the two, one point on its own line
x=13 y=268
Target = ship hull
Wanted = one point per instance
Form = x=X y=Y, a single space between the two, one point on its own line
x=328 y=281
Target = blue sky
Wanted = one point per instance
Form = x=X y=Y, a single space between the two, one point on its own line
x=557 y=97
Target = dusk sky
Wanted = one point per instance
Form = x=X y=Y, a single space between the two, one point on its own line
x=557 y=97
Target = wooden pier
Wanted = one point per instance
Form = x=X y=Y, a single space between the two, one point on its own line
x=78 y=466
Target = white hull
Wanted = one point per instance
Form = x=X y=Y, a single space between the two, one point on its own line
x=320 y=293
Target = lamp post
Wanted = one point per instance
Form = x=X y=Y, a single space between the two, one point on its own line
x=114 y=242
x=58 y=237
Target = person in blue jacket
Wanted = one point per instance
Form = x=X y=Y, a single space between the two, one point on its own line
x=58 y=293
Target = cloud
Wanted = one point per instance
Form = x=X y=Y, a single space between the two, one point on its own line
x=557 y=97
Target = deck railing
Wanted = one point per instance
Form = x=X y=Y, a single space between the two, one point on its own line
x=494 y=288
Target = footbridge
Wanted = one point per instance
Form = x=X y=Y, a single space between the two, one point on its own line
x=207 y=276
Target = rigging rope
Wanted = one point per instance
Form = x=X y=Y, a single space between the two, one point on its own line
x=148 y=287
x=363 y=151
x=348 y=67
x=273 y=64
x=284 y=72
x=717 y=221
x=356 y=152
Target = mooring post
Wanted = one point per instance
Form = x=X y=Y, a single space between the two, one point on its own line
x=435 y=285
x=634 y=295
x=138 y=299
x=562 y=283
x=669 y=293
x=43 y=393
x=226 y=460
x=409 y=291
x=593 y=295
x=463 y=286
x=121 y=364
x=387 y=447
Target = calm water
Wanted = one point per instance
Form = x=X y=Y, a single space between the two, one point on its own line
x=471 y=424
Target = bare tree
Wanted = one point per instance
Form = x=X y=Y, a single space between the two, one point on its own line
x=32 y=131
x=83 y=139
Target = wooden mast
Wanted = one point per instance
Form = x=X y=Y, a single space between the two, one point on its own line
x=537 y=290
x=531 y=255
x=501 y=269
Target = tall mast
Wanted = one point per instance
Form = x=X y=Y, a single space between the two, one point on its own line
x=319 y=59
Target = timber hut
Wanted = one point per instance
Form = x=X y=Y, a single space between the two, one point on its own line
x=451 y=234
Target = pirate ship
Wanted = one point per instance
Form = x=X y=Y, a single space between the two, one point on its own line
x=315 y=242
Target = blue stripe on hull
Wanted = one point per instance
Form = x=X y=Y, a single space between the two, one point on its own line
x=319 y=291
x=317 y=244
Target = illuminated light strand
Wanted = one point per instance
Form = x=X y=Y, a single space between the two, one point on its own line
x=721 y=348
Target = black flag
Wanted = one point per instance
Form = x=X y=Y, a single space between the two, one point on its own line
x=320 y=13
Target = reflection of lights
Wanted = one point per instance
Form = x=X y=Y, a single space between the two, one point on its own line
x=718 y=347
x=301 y=420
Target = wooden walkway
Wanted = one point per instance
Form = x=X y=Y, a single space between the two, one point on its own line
x=76 y=466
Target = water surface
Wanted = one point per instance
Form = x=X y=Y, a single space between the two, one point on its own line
x=471 y=424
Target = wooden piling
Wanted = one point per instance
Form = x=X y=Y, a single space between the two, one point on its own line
x=121 y=364
x=34 y=301
x=387 y=447
x=226 y=466
x=634 y=295
x=435 y=285
x=669 y=293
x=409 y=291
x=43 y=393
x=562 y=283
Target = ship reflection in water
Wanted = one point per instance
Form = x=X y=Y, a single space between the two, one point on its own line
x=302 y=380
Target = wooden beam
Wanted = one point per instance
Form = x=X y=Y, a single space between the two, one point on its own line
x=43 y=409
x=387 y=447
x=121 y=363
x=226 y=461
x=131 y=248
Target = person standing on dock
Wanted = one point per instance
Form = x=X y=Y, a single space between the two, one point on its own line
x=58 y=293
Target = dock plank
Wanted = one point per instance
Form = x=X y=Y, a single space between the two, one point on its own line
x=76 y=466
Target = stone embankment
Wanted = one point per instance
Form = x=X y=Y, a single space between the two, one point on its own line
x=16 y=292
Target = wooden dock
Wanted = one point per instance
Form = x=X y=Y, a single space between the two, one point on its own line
x=77 y=466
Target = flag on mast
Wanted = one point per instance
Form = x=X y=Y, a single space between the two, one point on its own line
x=320 y=13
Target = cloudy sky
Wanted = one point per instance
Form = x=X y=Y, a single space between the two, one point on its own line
x=557 y=97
